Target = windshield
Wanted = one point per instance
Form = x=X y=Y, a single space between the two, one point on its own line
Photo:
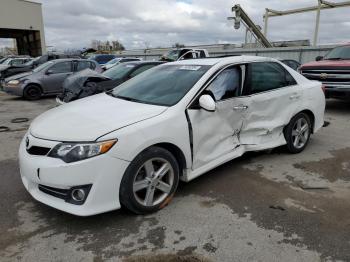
x=172 y=55
x=113 y=61
x=31 y=62
x=164 y=85
x=42 y=67
x=341 y=52
x=118 y=71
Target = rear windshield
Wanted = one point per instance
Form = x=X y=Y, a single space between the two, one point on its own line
x=118 y=71
x=162 y=85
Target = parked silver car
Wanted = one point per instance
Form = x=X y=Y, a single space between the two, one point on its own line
x=46 y=79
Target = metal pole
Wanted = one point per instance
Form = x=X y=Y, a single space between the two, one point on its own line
x=246 y=36
x=266 y=20
x=317 y=22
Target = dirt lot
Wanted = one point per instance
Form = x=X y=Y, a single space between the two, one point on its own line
x=267 y=206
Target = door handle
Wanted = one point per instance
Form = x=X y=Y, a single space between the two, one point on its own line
x=240 y=107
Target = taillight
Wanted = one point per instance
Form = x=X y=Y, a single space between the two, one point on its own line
x=323 y=88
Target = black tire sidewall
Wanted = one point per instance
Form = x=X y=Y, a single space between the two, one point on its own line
x=28 y=96
x=288 y=133
x=126 y=194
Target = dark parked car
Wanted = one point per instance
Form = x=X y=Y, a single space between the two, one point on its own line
x=102 y=59
x=46 y=79
x=87 y=82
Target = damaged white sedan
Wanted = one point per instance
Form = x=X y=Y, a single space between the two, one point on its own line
x=131 y=146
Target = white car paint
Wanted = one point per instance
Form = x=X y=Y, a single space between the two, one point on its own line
x=217 y=137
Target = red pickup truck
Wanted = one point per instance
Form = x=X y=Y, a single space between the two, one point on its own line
x=333 y=70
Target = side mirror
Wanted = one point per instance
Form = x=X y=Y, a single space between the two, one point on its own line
x=207 y=103
x=319 y=58
x=49 y=72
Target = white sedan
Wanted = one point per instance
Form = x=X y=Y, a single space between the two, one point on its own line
x=131 y=146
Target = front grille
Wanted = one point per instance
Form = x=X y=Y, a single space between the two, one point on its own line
x=38 y=150
x=335 y=76
x=56 y=192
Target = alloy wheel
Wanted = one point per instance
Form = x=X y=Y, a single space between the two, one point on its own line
x=153 y=182
x=300 y=133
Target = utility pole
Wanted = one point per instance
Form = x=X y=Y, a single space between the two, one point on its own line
x=317 y=27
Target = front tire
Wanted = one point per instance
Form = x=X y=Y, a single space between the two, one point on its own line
x=150 y=181
x=32 y=92
x=297 y=133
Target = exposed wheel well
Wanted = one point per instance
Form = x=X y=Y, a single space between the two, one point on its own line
x=178 y=154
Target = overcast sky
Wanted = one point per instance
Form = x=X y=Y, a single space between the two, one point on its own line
x=154 y=23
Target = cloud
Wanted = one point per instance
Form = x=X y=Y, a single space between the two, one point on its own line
x=137 y=23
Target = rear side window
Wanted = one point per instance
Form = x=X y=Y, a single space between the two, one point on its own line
x=61 y=67
x=202 y=54
x=266 y=76
x=83 y=65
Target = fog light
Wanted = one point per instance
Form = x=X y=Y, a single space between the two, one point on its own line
x=78 y=195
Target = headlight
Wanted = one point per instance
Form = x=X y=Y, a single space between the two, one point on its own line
x=13 y=82
x=72 y=152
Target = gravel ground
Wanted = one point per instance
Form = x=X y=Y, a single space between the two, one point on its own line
x=266 y=206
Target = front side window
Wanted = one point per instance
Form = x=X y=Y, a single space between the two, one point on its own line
x=266 y=76
x=61 y=67
x=226 y=84
x=164 y=85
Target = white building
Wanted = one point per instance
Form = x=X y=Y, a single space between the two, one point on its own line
x=23 y=21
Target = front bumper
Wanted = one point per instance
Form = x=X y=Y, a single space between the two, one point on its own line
x=339 y=92
x=103 y=173
x=16 y=90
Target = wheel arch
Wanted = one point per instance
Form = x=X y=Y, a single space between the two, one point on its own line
x=311 y=115
x=33 y=84
x=177 y=153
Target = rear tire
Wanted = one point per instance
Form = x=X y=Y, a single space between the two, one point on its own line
x=150 y=181
x=297 y=133
x=32 y=92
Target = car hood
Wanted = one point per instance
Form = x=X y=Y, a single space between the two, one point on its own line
x=4 y=67
x=19 y=76
x=327 y=64
x=90 y=118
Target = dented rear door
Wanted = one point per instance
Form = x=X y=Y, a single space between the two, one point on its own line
x=274 y=96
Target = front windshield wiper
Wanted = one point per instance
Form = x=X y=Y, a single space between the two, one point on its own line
x=129 y=99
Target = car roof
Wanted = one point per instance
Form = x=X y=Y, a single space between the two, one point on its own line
x=215 y=60
x=69 y=60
